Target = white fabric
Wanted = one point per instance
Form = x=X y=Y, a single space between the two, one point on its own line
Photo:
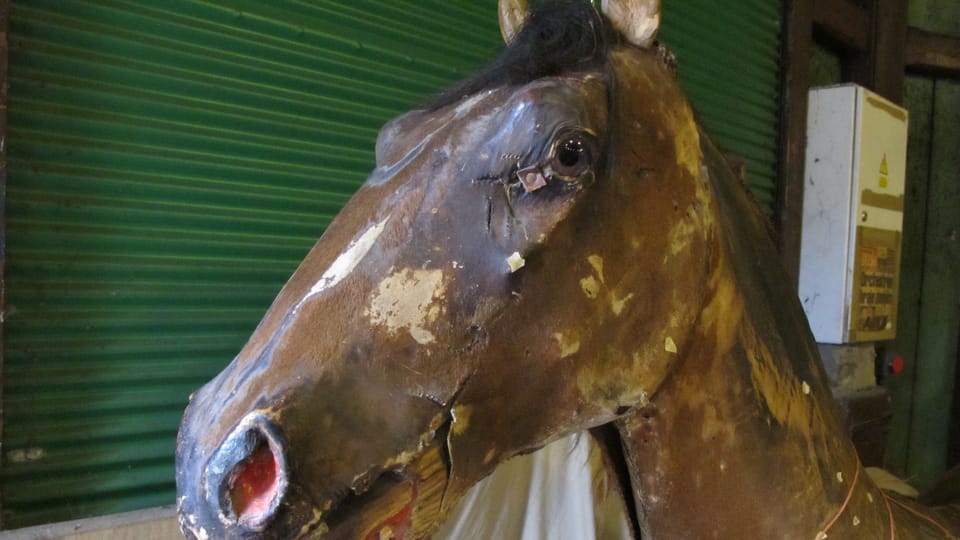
x=549 y=494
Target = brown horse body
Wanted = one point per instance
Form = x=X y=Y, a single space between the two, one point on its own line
x=543 y=256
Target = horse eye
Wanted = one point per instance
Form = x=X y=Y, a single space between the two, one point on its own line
x=571 y=157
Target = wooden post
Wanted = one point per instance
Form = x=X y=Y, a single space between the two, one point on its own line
x=4 y=20
x=798 y=27
x=889 y=45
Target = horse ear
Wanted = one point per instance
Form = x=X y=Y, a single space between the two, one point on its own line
x=513 y=13
x=637 y=20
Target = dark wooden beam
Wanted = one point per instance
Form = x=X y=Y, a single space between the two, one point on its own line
x=888 y=49
x=846 y=25
x=798 y=40
x=931 y=53
x=4 y=24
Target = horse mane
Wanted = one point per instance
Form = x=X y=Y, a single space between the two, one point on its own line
x=558 y=37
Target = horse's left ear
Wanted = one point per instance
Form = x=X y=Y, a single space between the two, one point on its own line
x=637 y=20
x=513 y=13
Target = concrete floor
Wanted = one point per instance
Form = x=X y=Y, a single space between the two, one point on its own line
x=151 y=524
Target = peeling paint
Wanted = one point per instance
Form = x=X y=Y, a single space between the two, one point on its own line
x=687 y=142
x=783 y=395
x=721 y=317
x=596 y=262
x=347 y=261
x=198 y=532
x=617 y=304
x=516 y=261
x=716 y=427
x=408 y=299
x=568 y=345
x=590 y=287
x=680 y=236
x=460 y=416
x=314 y=528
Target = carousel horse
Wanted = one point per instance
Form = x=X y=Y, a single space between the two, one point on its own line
x=554 y=246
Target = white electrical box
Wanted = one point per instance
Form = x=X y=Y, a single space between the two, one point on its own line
x=852 y=214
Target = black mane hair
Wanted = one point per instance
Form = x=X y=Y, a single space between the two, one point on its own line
x=568 y=35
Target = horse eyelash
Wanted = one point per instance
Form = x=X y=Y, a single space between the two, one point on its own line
x=489 y=179
x=507 y=179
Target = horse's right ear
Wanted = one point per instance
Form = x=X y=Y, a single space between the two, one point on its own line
x=637 y=20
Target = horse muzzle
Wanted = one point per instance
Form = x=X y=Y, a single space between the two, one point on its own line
x=259 y=483
x=243 y=488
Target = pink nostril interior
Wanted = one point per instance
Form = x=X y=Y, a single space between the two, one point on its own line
x=254 y=484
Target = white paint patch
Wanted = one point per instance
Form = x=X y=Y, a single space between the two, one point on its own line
x=408 y=299
x=348 y=260
x=516 y=261
x=840 y=477
x=669 y=345
x=805 y=387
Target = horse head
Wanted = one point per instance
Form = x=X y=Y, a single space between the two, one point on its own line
x=528 y=259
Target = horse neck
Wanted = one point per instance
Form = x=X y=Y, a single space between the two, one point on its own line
x=743 y=440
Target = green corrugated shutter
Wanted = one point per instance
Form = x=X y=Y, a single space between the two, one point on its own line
x=729 y=57
x=170 y=162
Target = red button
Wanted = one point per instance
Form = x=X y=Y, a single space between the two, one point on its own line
x=896 y=366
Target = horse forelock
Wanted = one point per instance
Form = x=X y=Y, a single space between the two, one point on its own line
x=559 y=37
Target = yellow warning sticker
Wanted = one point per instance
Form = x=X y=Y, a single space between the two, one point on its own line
x=884 y=181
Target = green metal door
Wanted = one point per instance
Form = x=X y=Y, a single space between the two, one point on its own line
x=729 y=55
x=170 y=163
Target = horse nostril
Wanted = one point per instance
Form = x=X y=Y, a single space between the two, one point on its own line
x=253 y=485
x=246 y=477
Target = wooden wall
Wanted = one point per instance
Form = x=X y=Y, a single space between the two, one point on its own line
x=908 y=52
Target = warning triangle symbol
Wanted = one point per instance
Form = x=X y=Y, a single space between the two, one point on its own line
x=883 y=166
